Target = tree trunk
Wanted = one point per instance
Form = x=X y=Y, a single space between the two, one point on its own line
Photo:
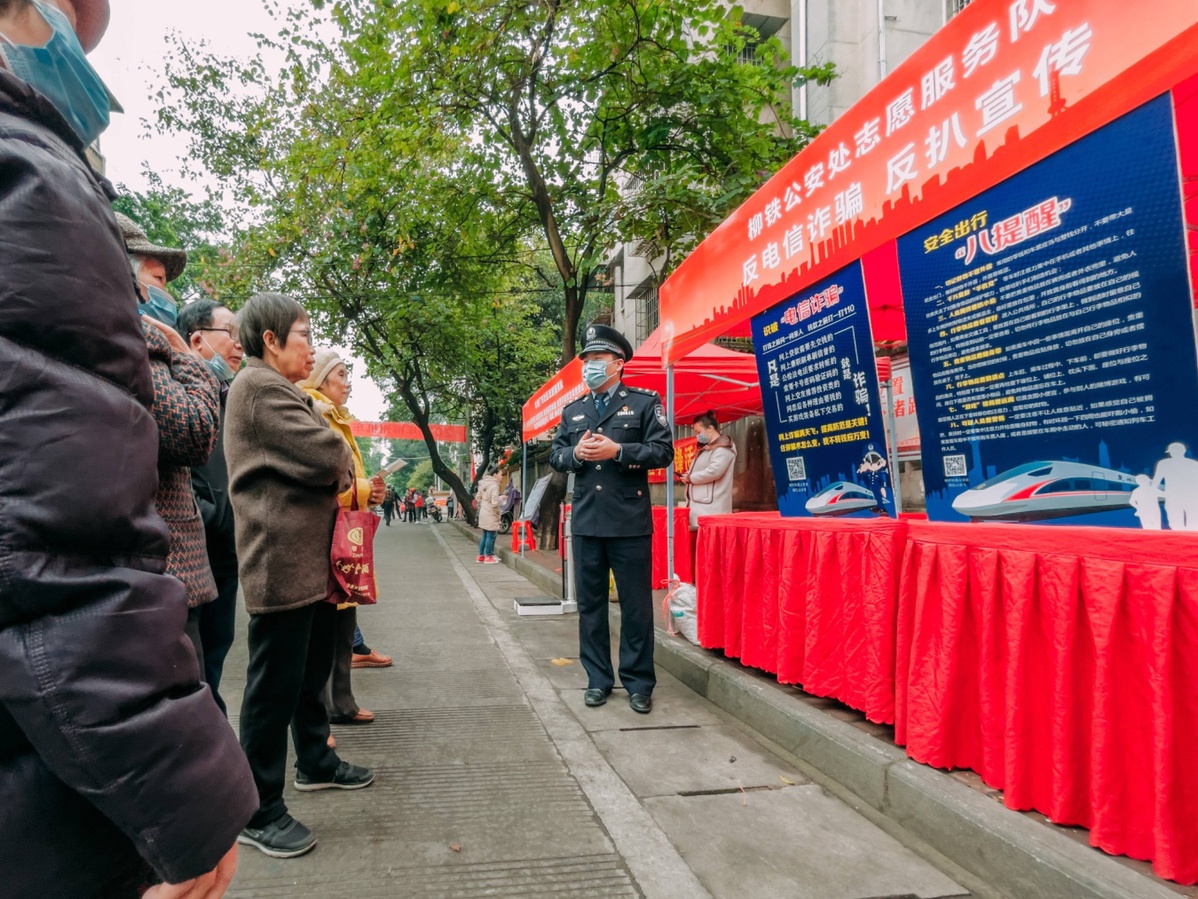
x=570 y=324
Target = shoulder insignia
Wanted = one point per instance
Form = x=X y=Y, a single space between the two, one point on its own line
x=643 y=390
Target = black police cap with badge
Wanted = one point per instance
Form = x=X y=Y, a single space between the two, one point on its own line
x=605 y=339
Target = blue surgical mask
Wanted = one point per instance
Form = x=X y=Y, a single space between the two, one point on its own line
x=159 y=305
x=594 y=373
x=60 y=72
x=704 y=438
x=218 y=365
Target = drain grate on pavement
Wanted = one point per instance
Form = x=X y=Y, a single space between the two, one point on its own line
x=447 y=736
x=577 y=877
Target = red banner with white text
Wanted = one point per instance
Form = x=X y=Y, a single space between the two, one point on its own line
x=405 y=430
x=1003 y=85
x=543 y=411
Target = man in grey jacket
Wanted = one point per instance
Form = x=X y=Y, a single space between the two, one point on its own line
x=117 y=770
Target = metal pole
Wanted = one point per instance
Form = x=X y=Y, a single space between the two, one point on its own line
x=892 y=428
x=523 y=493
x=670 y=476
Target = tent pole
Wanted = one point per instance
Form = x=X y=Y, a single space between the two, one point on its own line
x=523 y=492
x=892 y=433
x=670 y=477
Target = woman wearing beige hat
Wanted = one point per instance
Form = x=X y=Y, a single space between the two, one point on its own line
x=329 y=387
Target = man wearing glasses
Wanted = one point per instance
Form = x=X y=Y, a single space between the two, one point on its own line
x=208 y=329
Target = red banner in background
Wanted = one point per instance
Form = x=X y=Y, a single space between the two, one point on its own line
x=543 y=411
x=685 y=451
x=1004 y=84
x=405 y=430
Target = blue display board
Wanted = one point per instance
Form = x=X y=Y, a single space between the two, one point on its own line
x=819 y=384
x=1052 y=340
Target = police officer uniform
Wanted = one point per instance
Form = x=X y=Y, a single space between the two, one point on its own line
x=612 y=521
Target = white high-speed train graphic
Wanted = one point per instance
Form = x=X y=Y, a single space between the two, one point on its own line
x=841 y=498
x=1040 y=490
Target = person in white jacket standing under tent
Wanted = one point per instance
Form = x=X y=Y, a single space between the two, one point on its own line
x=709 y=480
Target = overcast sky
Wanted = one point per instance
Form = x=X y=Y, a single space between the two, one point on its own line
x=130 y=60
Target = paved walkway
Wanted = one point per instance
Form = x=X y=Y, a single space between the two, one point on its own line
x=493 y=778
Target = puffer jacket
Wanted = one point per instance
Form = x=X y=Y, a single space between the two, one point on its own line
x=109 y=744
x=488 y=503
x=187 y=412
x=709 y=481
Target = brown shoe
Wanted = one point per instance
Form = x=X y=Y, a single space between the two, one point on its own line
x=374 y=659
x=364 y=716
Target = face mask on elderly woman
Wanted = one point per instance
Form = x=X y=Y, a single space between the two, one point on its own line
x=159 y=305
x=60 y=72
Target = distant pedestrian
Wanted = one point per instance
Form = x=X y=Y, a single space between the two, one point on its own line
x=487 y=503
x=421 y=512
x=388 y=506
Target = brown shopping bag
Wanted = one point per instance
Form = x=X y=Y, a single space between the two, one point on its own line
x=351 y=568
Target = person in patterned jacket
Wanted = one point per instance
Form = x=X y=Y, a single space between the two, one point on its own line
x=187 y=412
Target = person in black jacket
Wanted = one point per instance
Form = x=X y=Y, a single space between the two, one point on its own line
x=610 y=439
x=208 y=328
x=117 y=769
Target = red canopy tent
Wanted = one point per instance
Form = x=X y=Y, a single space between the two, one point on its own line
x=710 y=378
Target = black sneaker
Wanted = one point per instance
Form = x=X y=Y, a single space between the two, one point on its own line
x=346 y=777
x=283 y=837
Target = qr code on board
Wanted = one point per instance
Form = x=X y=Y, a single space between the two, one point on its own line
x=954 y=467
x=796 y=469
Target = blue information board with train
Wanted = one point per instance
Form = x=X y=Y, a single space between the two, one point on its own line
x=1052 y=340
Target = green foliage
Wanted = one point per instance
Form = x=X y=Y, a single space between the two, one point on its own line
x=171 y=217
x=422 y=476
x=372 y=454
x=438 y=182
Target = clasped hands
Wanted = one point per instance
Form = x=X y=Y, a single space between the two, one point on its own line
x=595 y=448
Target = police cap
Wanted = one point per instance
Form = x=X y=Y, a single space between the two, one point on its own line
x=605 y=339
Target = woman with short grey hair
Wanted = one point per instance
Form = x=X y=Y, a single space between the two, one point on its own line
x=286 y=468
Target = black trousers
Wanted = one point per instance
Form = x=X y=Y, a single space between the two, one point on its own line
x=339 y=697
x=630 y=559
x=291 y=655
x=217 y=627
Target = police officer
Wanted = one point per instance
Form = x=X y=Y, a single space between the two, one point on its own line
x=610 y=439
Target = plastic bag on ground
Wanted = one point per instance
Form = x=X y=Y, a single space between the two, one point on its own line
x=681 y=610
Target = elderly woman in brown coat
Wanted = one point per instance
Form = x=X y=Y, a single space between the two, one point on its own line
x=286 y=468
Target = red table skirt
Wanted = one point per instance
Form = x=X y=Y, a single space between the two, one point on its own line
x=812 y=601
x=1061 y=664
x=682 y=547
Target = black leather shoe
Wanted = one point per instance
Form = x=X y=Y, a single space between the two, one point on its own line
x=282 y=838
x=641 y=702
x=595 y=696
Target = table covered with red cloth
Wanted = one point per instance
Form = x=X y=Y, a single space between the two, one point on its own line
x=682 y=547
x=810 y=600
x=1061 y=664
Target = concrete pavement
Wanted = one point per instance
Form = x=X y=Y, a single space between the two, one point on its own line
x=495 y=780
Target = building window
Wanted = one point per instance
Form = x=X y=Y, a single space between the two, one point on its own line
x=647 y=317
x=955 y=6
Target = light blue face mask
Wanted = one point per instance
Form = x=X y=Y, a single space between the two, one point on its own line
x=594 y=373
x=159 y=306
x=218 y=365
x=60 y=72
